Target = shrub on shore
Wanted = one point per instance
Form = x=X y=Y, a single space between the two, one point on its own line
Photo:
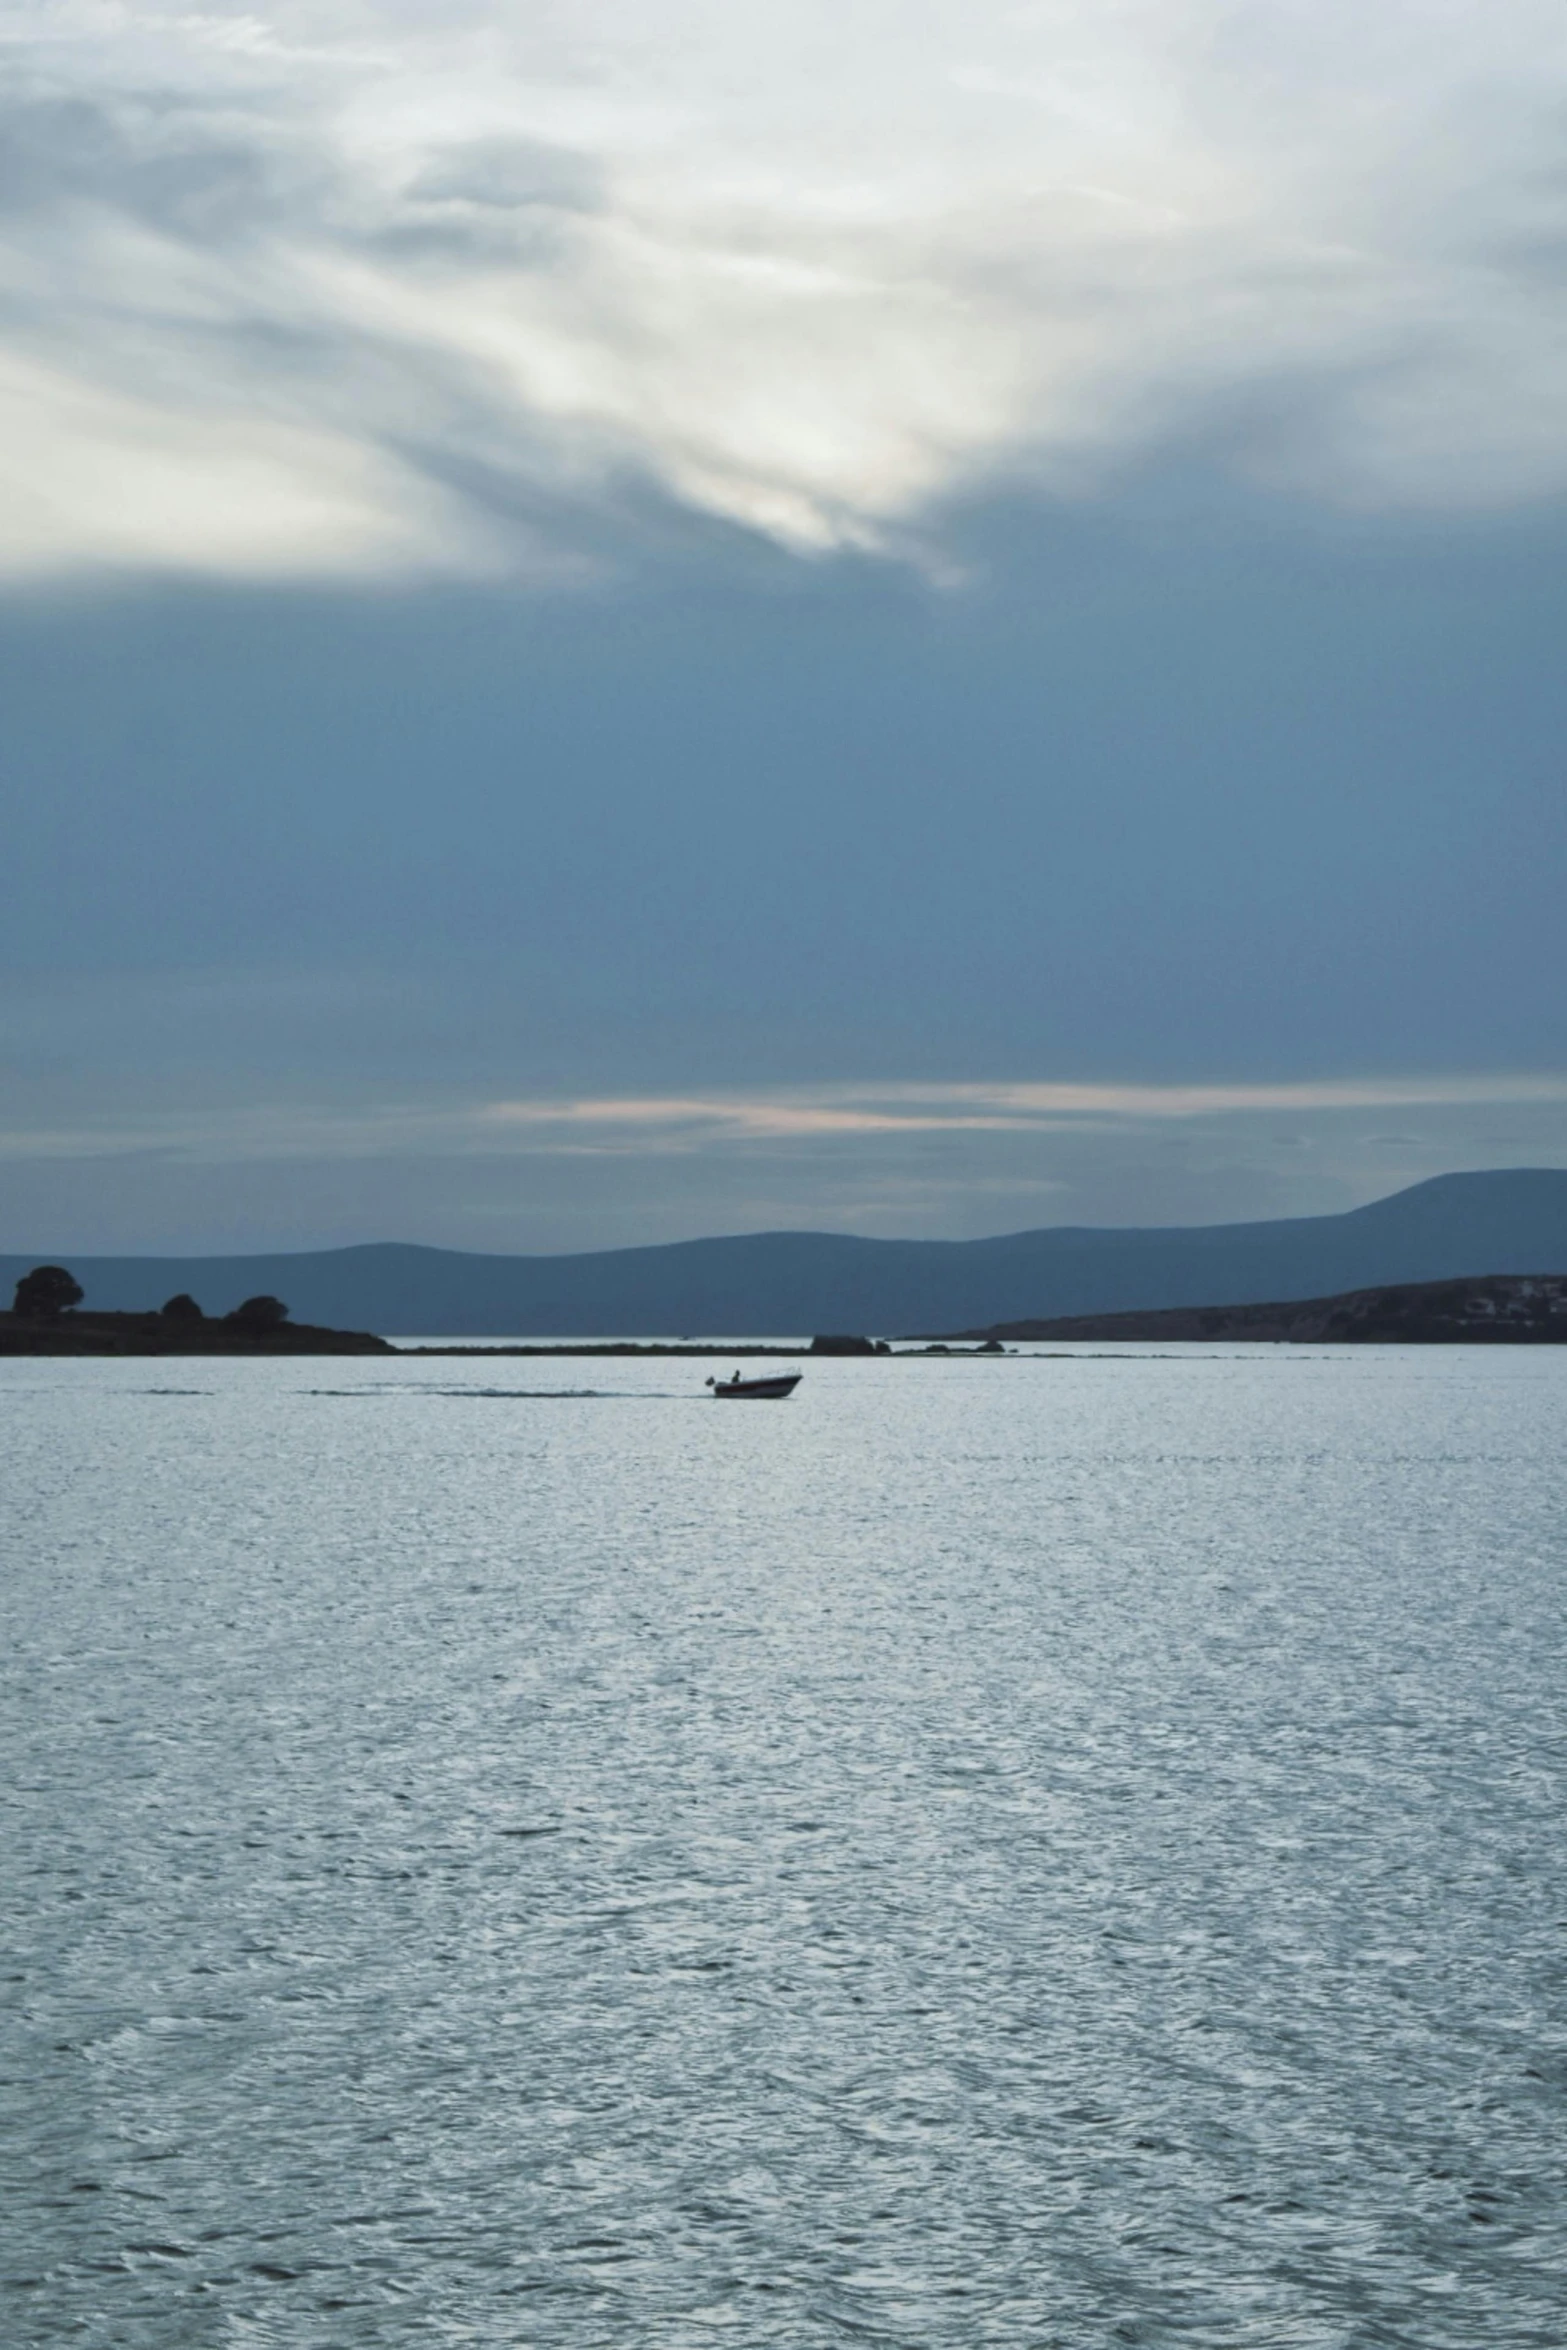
x=45 y=1292
x=259 y=1313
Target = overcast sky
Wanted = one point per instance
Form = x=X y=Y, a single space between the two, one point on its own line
x=651 y=617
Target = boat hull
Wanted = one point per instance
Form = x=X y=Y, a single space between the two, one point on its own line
x=756 y=1390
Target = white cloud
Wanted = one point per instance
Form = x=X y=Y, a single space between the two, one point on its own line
x=637 y=1122
x=92 y=477
x=332 y=288
x=642 y=1123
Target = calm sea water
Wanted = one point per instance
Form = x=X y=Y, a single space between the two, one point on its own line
x=1033 y=1853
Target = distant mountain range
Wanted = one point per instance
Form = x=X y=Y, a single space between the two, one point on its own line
x=1513 y=1220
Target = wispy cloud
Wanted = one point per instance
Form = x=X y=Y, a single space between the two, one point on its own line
x=719 y=1122
x=689 y=1121
x=322 y=289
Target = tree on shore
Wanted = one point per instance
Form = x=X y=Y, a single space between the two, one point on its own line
x=46 y=1291
x=260 y=1314
x=182 y=1308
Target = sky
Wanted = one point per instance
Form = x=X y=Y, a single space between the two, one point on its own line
x=643 y=619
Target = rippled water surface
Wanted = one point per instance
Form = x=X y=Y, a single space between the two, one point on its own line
x=1032 y=1853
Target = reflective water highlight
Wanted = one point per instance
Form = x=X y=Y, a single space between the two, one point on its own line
x=1034 y=1853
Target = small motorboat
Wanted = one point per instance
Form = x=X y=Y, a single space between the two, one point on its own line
x=771 y=1390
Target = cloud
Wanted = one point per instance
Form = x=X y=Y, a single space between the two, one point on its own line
x=94 y=476
x=681 y=1122
x=662 y=1123
x=379 y=289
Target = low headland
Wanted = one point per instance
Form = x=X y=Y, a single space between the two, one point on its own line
x=150 y=1334
x=45 y=1320
x=1495 y=1309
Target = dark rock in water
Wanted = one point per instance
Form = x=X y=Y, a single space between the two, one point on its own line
x=843 y=1346
x=1491 y=1309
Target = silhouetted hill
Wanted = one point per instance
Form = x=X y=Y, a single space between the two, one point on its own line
x=1513 y=1220
x=1497 y=1309
x=156 y=1334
